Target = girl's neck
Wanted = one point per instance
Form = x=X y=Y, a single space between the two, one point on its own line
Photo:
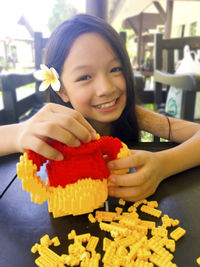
x=104 y=129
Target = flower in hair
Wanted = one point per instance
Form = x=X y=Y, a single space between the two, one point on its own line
x=49 y=77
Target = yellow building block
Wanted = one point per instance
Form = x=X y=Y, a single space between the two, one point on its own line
x=151 y=211
x=121 y=202
x=106 y=243
x=177 y=233
x=48 y=258
x=161 y=261
x=170 y=244
x=45 y=241
x=92 y=243
x=142 y=263
x=83 y=238
x=55 y=241
x=139 y=202
x=159 y=231
x=91 y=218
x=143 y=253
x=198 y=261
x=105 y=216
x=152 y=204
x=118 y=210
x=35 y=248
x=113 y=228
x=72 y=234
x=148 y=224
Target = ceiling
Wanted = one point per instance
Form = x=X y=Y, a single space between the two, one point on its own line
x=128 y=8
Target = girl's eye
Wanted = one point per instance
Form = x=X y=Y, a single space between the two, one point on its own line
x=116 y=69
x=83 y=78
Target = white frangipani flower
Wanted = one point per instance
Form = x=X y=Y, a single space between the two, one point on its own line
x=49 y=77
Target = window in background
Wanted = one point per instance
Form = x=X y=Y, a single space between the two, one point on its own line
x=193 y=29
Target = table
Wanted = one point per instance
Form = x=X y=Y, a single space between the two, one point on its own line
x=23 y=223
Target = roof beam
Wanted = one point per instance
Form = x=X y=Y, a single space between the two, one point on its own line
x=132 y=25
x=161 y=11
x=117 y=8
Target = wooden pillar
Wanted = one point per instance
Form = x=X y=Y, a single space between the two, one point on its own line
x=38 y=44
x=168 y=23
x=38 y=49
x=139 y=41
x=97 y=8
x=168 y=27
x=123 y=36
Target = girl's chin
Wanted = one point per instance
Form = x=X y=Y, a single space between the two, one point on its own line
x=104 y=119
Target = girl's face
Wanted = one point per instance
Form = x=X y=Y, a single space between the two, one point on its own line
x=92 y=79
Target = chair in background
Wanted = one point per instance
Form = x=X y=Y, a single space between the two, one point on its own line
x=164 y=76
x=189 y=83
x=14 y=110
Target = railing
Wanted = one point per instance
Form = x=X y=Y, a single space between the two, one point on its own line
x=9 y=83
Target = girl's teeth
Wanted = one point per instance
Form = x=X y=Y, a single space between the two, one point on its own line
x=107 y=105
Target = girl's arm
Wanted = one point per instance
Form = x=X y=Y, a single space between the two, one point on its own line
x=54 y=122
x=182 y=157
x=8 y=134
x=153 y=167
x=158 y=125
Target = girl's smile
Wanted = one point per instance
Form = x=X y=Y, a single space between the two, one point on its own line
x=93 y=79
x=108 y=106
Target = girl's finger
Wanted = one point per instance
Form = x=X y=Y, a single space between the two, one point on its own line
x=125 y=192
x=75 y=115
x=131 y=179
x=68 y=123
x=56 y=132
x=41 y=147
x=136 y=159
x=143 y=195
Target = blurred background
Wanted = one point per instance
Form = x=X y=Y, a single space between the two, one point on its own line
x=136 y=20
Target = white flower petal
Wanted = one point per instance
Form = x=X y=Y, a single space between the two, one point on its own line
x=55 y=85
x=44 y=85
x=38 y=74
x=43 y=67
x=45 y=70
x=54 y=72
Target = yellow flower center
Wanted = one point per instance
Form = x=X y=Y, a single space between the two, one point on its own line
x=50 y=77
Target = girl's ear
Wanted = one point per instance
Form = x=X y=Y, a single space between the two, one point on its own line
x=62 y=93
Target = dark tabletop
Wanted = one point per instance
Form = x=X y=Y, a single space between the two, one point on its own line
x=23 y=223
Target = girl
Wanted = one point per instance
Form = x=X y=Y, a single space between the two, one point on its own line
x=96 y=94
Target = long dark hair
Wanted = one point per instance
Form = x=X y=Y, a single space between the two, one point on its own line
x=58 y=47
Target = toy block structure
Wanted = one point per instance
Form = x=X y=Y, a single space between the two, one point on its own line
x=79 y=177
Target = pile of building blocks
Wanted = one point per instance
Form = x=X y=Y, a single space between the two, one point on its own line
x=131 y=241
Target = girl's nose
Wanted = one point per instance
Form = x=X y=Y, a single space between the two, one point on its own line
x=104 y=86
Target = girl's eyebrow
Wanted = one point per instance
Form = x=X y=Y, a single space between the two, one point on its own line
x=80 y=67
x=115 y=59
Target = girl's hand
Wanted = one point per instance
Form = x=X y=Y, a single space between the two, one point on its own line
x=56 y=122
x=140 y=184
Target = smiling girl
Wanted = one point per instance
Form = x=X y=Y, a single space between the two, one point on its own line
x=96 y=94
